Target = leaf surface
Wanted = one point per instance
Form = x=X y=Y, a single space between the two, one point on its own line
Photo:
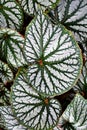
x=11 y=14
x=54 y=56
x=9 y=119
x=31 y=109
x=75 y=115
x=32 y=6
x=5 y=73
x=73 y=15
x=11 y=44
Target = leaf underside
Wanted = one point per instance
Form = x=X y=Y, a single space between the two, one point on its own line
x=30 y=108
x=54 y=56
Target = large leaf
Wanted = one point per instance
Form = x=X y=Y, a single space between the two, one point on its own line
x=5 y=73
x=32 y=109
x=11 y=43
x=32 y=6
x=75 y=115
x=81 y=85
x=73 y=14
x=9 y=119
x=55 y=54
x=11 y=14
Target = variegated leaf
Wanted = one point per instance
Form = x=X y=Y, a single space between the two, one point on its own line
x=73 y=15
x=75 y=115
x=5 y=73
x=32 y=6
x=33 y=110
x=9 y=119
x=55 y=54
x=11 y=14
x=81 y=85
x=11 y=44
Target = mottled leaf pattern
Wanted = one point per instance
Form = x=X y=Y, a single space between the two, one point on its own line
x=55 y=54
x=5 y=73
x=9 y=119
x=32 y=109
x=11 y=44
x=32 y=6
x=73 y=15
x=11 y=14
x=75 y=115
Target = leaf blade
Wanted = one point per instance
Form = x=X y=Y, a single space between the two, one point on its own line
x=55 y=55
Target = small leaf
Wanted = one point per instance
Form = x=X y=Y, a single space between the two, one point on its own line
x=5 y=73
x=55 y=54
x=32 y=109
x=73 y=15
x=32 y=6
x=75 y=115
x=9 y=119
x=11 y=14
x=11 y=44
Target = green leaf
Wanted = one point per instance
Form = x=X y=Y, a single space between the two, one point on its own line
x=73 y=15
x=81 y=85
x=32 y=6
x=5 y=73
x=54 y=56
x=75 y=115
x=11 y=14
x=11 y=44
x=31 y=109
x=9 y=119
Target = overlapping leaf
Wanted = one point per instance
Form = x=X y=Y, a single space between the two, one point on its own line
x=9 y=119
x=11 y=43
x=5 y=73
x=75 y=115
x=11 y=14
x=33 y=110
x=32 y=6
x=55 y=54
x=81 y=85
x=73 y=14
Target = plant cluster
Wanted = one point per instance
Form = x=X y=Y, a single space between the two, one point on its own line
x=43 y=64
